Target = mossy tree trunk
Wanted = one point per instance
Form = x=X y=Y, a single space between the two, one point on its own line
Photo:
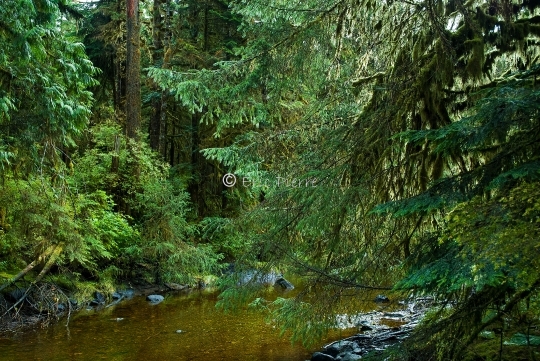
x=133 y=62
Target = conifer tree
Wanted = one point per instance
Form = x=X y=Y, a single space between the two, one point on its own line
x=401 y=112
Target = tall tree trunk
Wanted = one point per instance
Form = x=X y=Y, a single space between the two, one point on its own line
x=154 y=127
x=133 y=65
x=205 y=34
x=119 y=91
x=194 y=188
x=115 y=162
x=173 y=145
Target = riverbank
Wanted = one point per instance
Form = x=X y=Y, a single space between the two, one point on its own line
x=41 y=305
x=46 y=303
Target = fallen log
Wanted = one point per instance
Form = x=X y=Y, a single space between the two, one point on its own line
x=52 y=259
x=29 y=267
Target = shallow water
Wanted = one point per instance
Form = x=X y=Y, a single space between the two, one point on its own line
x=148 y=332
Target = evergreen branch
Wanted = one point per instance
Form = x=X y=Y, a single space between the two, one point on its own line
x=333 y=279
x=298 y=9
x=292 y=35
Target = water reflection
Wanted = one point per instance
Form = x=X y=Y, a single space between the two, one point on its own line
x=135 y=330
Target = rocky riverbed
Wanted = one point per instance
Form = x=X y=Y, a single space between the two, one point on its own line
x=377 y=331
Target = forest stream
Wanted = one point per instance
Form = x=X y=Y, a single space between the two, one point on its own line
x=185 y=326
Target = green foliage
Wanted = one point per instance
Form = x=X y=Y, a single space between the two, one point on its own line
x=420 y=126
x=486 y=244
x=167 y=237
x=39 y=216
x=500 y=136
x=158 y=233
x=307 y=322
x=384 y=143
x=222 y=235
x=44 y=77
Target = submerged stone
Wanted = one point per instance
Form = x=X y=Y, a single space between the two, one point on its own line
x=127 y=293
x=381 y=299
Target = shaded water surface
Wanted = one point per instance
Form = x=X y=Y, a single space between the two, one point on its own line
x=148 y=333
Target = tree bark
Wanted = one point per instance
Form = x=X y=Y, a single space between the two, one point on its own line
x=133 y=65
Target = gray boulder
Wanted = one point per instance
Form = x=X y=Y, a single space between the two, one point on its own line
x=99 y=299
x=283 y=283
x=340 y=347
x=155 y=299
x=127 y=293
x=176 y=286
x=365 y=327
x=123 y=294
x=256 y=277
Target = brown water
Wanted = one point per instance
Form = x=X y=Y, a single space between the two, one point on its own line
x=148 y=332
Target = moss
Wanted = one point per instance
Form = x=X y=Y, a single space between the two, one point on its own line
x=476 y=61
x=6 y=275
x=437 y=167
x=458 y=38
x=425 y=75
x=487 y=22
x=490 y=60
x=418 y=49
x=446 y=65
x=63 y=281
